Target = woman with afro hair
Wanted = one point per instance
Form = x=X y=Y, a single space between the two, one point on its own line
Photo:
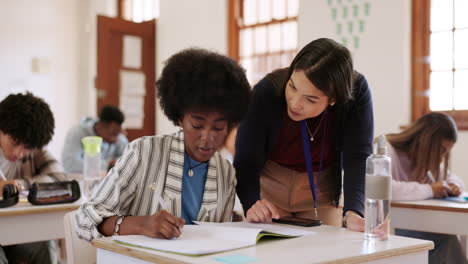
x=206 y=94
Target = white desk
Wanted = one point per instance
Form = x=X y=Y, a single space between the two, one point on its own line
x=328 y=245
x=24 y=223
x=436 y=216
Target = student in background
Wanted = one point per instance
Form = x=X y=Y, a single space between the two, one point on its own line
x=420 y=160
x=322 y=95
x=26 y=126
x=206 y=94
x=109 y=127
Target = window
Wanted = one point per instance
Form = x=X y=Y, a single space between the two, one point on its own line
x=262 y=35
x=440 y=58
x=138 y=10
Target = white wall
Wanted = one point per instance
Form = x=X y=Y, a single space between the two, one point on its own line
x=45 y=30
x=383 y=54
x=460 y=156
x=64 y=34
x=200 y=24
x=89 y=10
x=383 y=57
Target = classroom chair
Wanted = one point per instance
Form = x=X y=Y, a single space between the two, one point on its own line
x=78 y=250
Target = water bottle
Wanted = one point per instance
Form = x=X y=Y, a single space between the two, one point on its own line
x=378 y=193
x=91 y=164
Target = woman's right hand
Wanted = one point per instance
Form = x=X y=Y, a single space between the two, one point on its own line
x=262 y=211
x=439 y=189
x=162 y=225
x=454 y=189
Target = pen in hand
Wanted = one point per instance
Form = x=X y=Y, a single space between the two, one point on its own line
x=430 y=176
x=444 y=183
x=163 y=205
x=440 y=189
x=2 y=176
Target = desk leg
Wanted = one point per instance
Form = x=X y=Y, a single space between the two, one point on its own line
x=61 y=251
x=463 y=243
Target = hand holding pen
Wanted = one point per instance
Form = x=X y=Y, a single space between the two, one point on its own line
x=439 y=189
x=162 y=224
x=442 y=189
x=4 y=180
x=454 y=190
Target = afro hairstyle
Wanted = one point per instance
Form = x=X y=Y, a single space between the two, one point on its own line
x=27 y=119
x=203 y=81
x=110 y=113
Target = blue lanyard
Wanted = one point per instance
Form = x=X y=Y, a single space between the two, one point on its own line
x=308 y=156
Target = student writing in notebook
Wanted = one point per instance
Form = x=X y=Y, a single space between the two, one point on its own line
x=307 y=124
x=420 y=157
x=26 y=127
x=205 y=94
x=109 y=127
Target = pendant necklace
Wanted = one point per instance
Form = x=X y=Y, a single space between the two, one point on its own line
x=315 y=132
x=190 y=170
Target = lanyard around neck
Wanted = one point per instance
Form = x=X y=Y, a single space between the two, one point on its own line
x=308 y=156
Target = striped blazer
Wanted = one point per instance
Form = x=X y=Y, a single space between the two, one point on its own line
x=157 y=160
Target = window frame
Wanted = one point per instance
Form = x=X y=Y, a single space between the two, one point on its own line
x=420 y=65
x=235 y=11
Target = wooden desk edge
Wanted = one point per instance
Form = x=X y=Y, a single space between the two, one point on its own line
x=40 y=210
x=129 y=251
x=430 y=207
x=385 y=254
x=134 y=252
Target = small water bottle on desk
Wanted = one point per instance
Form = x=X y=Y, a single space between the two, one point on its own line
x=378 y=193
x=92 y=164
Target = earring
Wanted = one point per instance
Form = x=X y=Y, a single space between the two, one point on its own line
x=332 y=103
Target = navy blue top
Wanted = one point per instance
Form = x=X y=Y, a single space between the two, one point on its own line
x=192 y=189
x=256 y=136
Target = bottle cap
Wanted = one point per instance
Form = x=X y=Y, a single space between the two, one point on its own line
x=92 y=145
x=381 y=145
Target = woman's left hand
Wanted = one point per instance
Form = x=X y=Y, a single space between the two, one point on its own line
x=454 y=189
x=354 y=222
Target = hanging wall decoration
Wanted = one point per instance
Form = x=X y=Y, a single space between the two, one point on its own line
x=350 y=20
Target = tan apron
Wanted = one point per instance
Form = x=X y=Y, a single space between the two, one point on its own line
x=290 y=191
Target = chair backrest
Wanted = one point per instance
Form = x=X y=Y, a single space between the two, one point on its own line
x=78 y=250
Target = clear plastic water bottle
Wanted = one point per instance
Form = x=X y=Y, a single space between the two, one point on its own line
x=378 y=193
x=92 y=164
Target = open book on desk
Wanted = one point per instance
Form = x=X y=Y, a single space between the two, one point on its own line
x=207 y=238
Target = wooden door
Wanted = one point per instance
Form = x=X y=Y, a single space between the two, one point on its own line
x=126 y=72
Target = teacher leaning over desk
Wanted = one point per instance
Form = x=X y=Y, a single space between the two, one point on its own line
x=316 y=112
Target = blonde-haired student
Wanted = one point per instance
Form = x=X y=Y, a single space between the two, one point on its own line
x=420 y=157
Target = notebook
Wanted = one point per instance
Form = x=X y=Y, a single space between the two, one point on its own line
x=207 y=238
x=458 y=199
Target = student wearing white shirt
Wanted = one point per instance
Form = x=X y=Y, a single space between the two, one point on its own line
x=420 y=157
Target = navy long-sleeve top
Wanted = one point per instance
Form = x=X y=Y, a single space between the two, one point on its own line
x=257 y=133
